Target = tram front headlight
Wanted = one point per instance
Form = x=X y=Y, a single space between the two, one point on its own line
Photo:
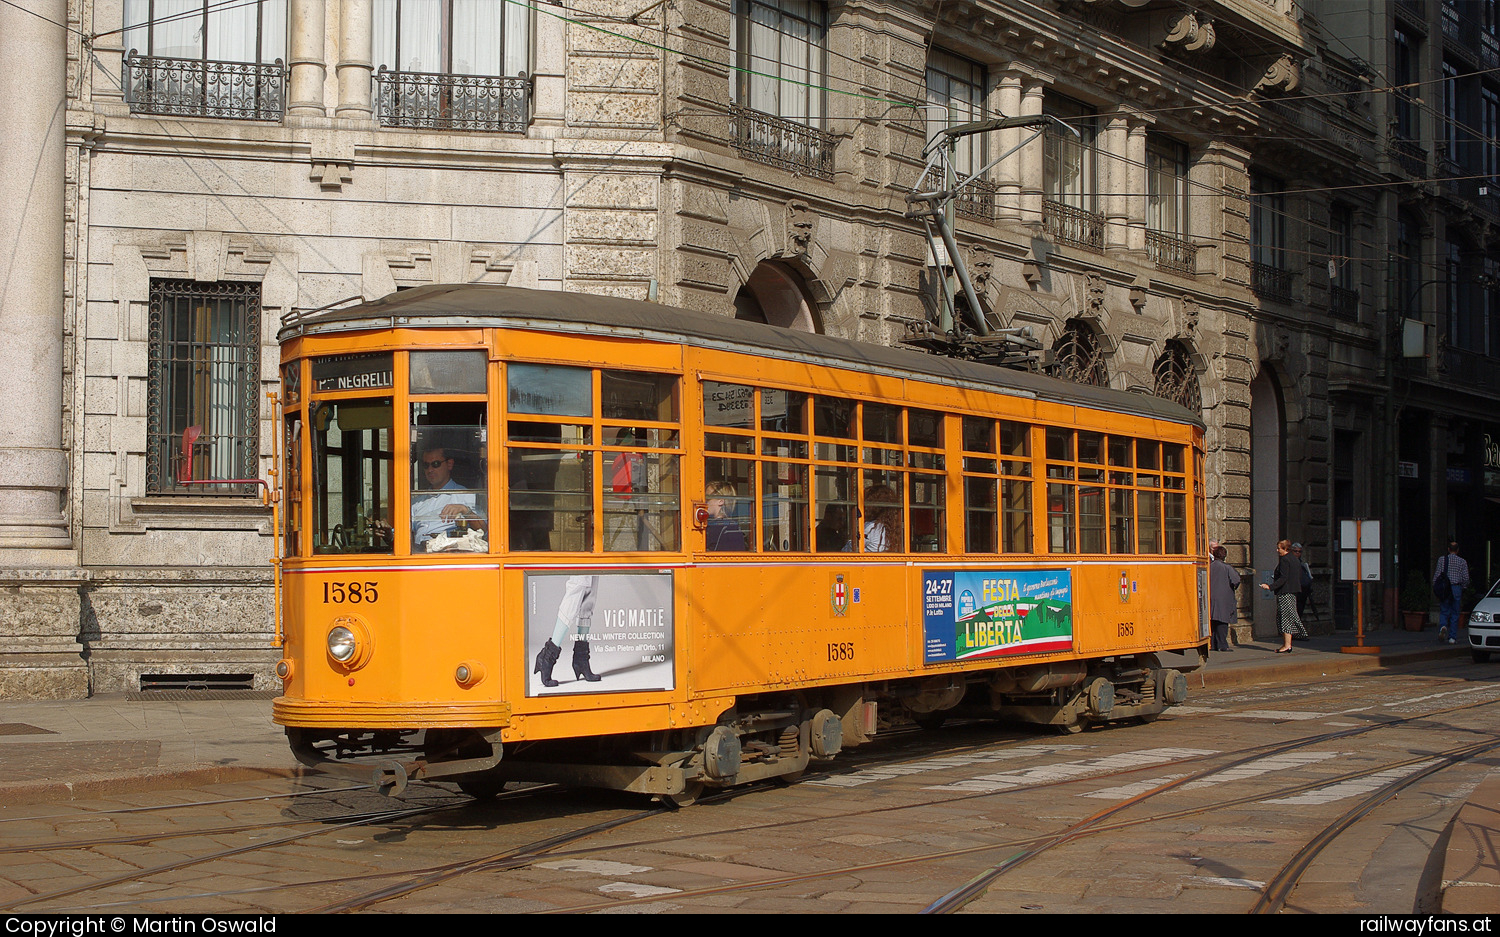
x=342 y=644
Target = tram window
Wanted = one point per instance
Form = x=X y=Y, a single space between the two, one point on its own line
x=925 y=428
x=1172 y=458
x=838 y=508
x=784 y=448
x=834 y=452
x=549 y=390
x=293 y=449
x=1148 y=517
x=927 y=494
x=882 y=423
x=352 y=478
x=833 y=416
x=981 y=529
x=1059 y=444
x=291 y=382
x=785 y=411
x=1174 y=523
x=637 y=395
x=449 y=495
x=1015 y=445
x=873 y=456
x=551 y=499
x=1060 y=518
x=568 y=434
x=1091 y=448
x=1090 y=519
x=972 y=464
x=448 y=372
x=733 y=482
x=979 y=434
x=1121 y=520
x=1120 y=451
x=926 y=460
x=1015 y=506
x=883 y=528
x=783 y=507
x=720 y=442
x=640 y=497
x=728 y=405
x=1147 y=454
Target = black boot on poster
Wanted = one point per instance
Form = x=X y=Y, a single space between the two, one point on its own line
x=546 y=659
x=581 y=663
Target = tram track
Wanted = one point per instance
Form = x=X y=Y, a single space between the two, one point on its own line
x=555 y=846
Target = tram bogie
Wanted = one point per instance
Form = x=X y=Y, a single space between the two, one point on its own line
x=537 y=537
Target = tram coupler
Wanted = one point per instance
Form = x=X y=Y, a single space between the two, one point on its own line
x=390 y=778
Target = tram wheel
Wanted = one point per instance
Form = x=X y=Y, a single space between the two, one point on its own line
x=684 y=798
x=930 y=721
x=1067 y=728
x=481 y=788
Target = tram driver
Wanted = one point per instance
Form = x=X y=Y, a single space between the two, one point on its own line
x=439 y=519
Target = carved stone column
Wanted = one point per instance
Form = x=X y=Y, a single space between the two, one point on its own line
x=1113 y=143
x=33 y=466
x=39 y=577
x=356 y=59
x=1008 y=172
x=1032 y=154
x=1135 y=187
x=308 y=26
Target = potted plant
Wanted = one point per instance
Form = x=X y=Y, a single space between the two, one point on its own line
x=1416 y=599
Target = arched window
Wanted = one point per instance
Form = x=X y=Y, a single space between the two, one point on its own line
x=1175 y=379
x=776 y=294
x=1077 y=356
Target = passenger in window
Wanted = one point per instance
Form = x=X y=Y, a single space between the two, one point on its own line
x=833 y=530
x=882 y=519
x=439 y=520
x=724 y=533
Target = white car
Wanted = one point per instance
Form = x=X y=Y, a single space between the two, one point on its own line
x=1484 y=625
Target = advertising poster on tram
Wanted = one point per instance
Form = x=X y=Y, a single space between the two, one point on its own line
x=970 y=615
x=603 y=632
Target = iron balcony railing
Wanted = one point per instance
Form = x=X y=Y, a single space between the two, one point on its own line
x=201 y=88
x=1470 y=368
x=1410 y=157
x=1171 y=253
x=786 y=144
x=1343 y=303
x=433 y=101
x=976 y=200
x=1069 y=224
x=1471 y=35
x=1270 y=282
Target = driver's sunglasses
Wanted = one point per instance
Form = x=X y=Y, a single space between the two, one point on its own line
x=433 y=464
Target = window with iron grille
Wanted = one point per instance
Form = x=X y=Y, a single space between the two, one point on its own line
x=1166 y=186
x=206 y=58
x=1068 y=175
x=955 y=89
x=203 y=385
x=452 y=64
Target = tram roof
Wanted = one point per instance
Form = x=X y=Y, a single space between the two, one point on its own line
x=478 y=305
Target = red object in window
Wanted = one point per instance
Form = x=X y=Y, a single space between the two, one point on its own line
x=189 y=437
x=621 y=480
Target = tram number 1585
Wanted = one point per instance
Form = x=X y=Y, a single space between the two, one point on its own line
x=350 y=593
x=841 y=650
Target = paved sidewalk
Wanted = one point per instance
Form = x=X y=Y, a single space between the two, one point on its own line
x=109 y=745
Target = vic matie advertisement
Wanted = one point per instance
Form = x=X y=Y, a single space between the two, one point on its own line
x=978 y=615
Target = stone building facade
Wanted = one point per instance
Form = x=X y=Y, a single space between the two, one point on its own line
x=195 y=172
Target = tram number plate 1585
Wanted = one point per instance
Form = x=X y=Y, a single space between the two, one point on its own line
x=350 y=593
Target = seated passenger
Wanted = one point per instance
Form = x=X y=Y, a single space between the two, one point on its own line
x=442 y=514
x=882 y=520
x=723 y=532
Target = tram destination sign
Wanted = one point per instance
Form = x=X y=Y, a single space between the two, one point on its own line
x=354 y=372
x=971 y=615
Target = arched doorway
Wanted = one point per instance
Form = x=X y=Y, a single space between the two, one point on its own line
x=1175 y=378
x=1078 y=355
x=777 y=294
x=1267 y=489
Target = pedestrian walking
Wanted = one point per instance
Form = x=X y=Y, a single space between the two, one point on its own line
x=1304 y=592
x=1448 y=582
x=1223 y=603
x=1286 y=582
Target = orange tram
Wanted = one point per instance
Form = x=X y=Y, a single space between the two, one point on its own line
x=535 y=536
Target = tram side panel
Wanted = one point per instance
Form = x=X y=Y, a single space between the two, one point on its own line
x=425 y=646
x=1133 y=608
x=769 y=627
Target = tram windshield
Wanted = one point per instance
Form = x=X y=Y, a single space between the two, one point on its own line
x=352 y=476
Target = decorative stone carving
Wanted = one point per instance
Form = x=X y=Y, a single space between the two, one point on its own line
x=1187 y=31
x=1190 y=313
x=800 y=223
x=1093 y=293
x=1283 y=77
x=1138 y=299
x=981 y=267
